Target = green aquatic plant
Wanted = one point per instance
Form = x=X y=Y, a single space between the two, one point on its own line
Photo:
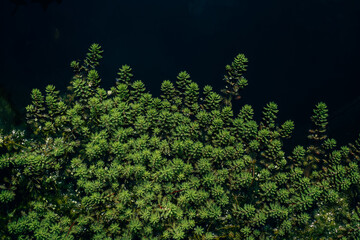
x=121 y=164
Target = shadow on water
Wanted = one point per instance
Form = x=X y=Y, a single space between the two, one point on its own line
x=20 y=3
x=345 y=122
x=10 y=117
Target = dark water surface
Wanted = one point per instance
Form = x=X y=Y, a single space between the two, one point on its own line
x=300 y=52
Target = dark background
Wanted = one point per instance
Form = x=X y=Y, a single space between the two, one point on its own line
x=300 y=52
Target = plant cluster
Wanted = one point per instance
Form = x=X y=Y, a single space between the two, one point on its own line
x=121 y=164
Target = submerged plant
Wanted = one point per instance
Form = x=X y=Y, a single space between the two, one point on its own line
x=121 y=164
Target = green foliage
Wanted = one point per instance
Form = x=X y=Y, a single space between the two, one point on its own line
x=234 y=78
x=120 y=164
x=125 y=74
x=319 y=120
x=93 y=56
